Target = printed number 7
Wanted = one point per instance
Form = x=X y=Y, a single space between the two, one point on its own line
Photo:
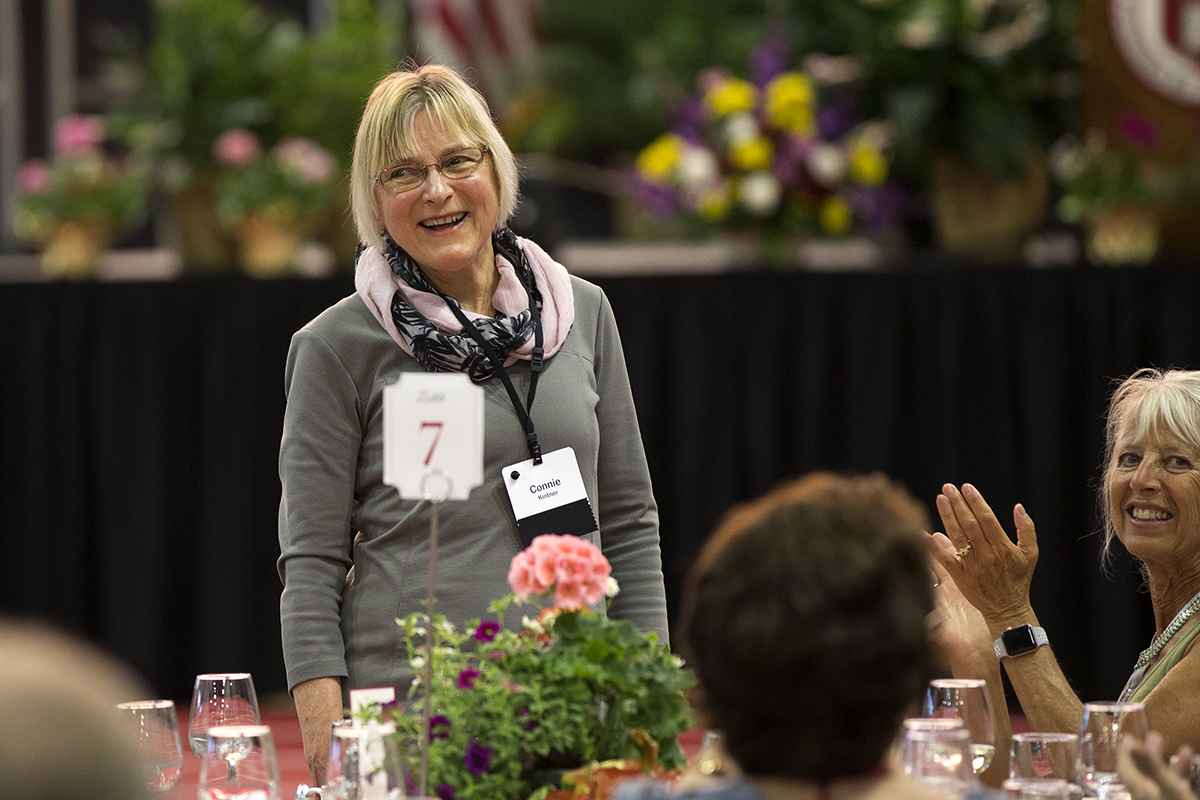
x=436 y=436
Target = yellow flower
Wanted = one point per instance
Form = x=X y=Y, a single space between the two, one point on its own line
x=867 y=164
x=790 y=103
x=714 y=204
x=752 y=154
x=835 y=215
x=657 y=160
x=729 y=96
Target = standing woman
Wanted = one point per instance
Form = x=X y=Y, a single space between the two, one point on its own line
x=442 y=286
x=1151 y=502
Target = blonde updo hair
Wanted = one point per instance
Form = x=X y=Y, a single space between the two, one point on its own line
x=1150 y=402
x=385 y=137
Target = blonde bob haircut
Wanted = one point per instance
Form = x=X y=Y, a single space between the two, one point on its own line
x=1148 y=404
x=386 y=137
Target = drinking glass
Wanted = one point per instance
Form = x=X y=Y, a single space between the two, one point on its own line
x=940 y=760
x=155 y=728
x=965 y=699
x=1100 y=732
x=364 y=764
x=1040 y=755
x=221 y=699
x=239 y=763
x=1045 y=789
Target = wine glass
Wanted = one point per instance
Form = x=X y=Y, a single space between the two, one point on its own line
x=155 y=728
x=364 y=763
x=939 y=759
x=239 y=763
x=965 y=699
x=221 y=699
x=1100 y=732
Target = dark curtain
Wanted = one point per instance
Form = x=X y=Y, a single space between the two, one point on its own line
x=139 y=428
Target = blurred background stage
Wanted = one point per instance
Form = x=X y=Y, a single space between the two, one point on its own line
x=838 y=235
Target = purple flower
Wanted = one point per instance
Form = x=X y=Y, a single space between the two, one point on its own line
x=690 y=120
x=1138 y=129
x=436 y=722
x=466 y=678
x=487 y=631
x=877 y=206
x=477 y=758
x=768 y=60
x=835 y=118
x=445 y=791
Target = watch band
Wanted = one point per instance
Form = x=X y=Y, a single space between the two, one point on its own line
x=1020 y=640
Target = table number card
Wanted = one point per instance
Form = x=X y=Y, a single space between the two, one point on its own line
x=433 y=431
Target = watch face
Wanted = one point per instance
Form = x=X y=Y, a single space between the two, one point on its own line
x=1019 y=640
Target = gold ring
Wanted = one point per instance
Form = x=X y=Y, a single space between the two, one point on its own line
x=962 y=551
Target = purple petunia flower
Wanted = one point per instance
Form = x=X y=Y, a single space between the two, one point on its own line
x=466 y=678
x=477 y=758
x=487 y=631
x=768 y=60
x=445 y=791
x=436 y=722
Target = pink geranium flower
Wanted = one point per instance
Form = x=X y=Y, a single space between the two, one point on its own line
x=237 y=147
x=78 y=134
x=34 y=176
x=313 y=163
x=573 y=568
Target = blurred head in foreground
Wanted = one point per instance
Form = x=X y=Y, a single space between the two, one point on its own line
x=60 y=736
x=804 y=619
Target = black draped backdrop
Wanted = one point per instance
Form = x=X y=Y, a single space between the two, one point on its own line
x=139 y=427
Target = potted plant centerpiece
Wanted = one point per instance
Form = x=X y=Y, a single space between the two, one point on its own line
x=557 y=708
x=75 y=206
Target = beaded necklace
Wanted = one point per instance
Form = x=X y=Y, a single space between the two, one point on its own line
x=1160 y=641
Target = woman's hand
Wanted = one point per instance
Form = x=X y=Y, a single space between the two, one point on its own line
x=1147 y=776
x=959 y=630
x=991 y=571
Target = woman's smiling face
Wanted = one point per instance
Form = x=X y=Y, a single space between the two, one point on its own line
x=445 y=225
x=1154 y=490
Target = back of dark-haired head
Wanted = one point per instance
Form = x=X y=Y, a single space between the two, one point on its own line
x=804 y=619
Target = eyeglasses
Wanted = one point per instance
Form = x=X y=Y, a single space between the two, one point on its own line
x=456 y=166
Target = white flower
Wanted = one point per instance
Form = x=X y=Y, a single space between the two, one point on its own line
x=760 y=193
x=610 y=587
x=417 y=663
x=740 y=127
x=827 y=163
x=532 y=625
x=697 y=168
x=677 y=662
x=446 y=626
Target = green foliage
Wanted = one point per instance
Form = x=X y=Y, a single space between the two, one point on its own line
x=564 y=691
x=991 y=82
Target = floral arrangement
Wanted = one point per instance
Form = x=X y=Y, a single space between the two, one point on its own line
x=88 y=186
x=784 y=151
x=570 y=689
x=1096 y=175
x=293 y=184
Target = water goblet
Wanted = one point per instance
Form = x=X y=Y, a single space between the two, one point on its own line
x=1040 y=755
x=219 y=699
x=965 y=699
x=239 y=763
x=940 y=760
x=364 y=763
x=1100 y=733
x=155 y=728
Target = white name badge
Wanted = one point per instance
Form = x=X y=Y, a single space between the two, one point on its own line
x=433 y=435
x=549 y=497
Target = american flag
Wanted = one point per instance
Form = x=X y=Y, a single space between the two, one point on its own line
x=482 y=39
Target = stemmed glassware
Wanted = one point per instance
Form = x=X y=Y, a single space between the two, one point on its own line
x=155 y=728
x=965 y=699
x=221 y=699
x=1100 y=733
x=939 y=759
x=239 y=763
x=364 y=763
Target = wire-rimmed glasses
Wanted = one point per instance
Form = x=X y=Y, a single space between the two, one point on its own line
x=462 y=163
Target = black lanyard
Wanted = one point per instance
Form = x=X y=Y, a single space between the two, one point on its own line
x=535 y=366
